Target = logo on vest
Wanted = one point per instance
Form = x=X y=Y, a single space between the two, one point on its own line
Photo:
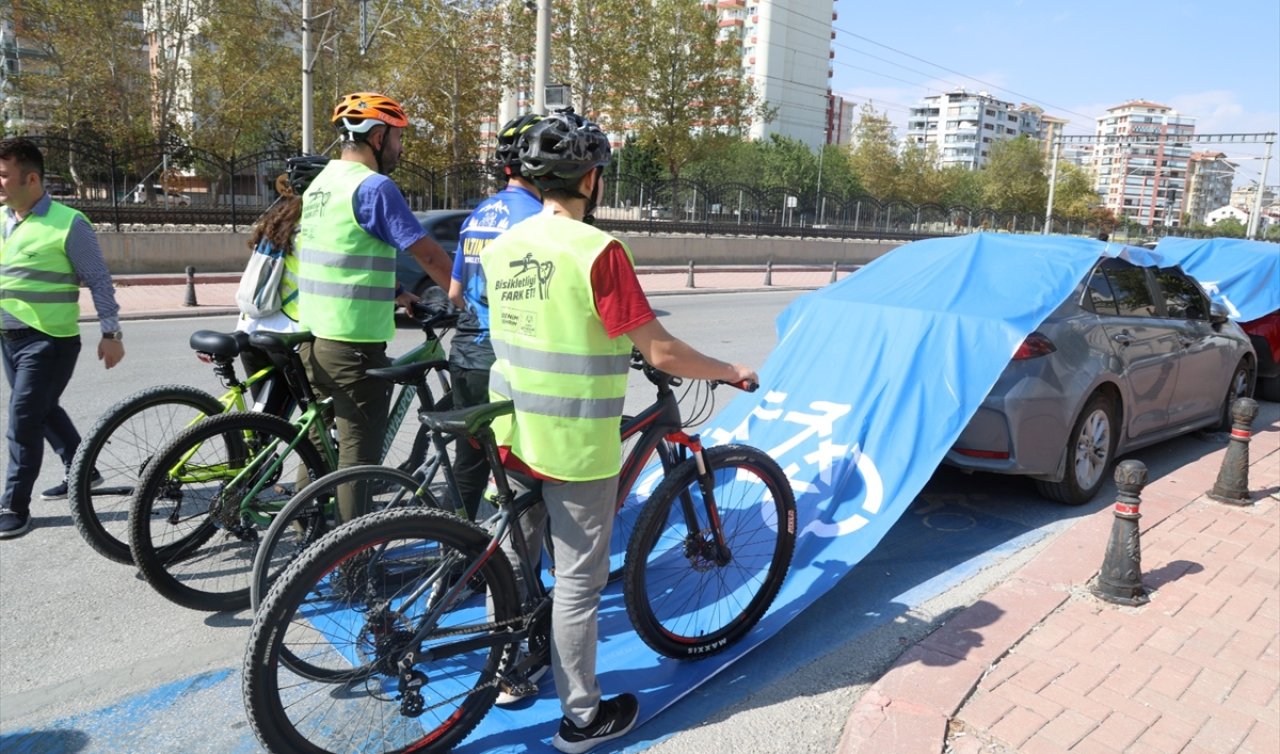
x=531 y=280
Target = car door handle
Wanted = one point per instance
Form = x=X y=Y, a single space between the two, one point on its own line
x=1186 y=342
x=1123 y=338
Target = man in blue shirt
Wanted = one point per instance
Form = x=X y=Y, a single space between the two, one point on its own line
x=471 y=353
x=46 y=250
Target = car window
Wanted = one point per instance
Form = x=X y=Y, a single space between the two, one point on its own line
x=1129 y=284
x=1101 y=297
x=448 y=228
x=1182 y=297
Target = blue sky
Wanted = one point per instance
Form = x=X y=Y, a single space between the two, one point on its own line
x=1218 y=62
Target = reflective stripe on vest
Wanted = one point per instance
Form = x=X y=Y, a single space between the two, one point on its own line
x=38 y=284
x=568 y=379
x=289 y=287
x=346 y=277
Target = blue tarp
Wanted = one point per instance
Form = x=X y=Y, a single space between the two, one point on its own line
x=1243 y=275
x=872 y=380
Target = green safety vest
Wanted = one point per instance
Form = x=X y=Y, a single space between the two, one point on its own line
x=289 y=287
x=38 y=285
x=568 y=379
x=346 y=277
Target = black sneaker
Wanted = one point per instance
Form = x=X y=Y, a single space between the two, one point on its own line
x=13 y=524
x=614 y=718
x=59 y=491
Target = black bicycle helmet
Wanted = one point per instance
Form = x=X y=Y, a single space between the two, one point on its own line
x=303 y=169
x=561 y=148
x=507 y=155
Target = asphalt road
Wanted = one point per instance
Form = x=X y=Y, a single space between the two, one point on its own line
x=86 y=647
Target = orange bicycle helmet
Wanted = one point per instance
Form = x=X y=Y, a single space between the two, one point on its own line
x=360 y=112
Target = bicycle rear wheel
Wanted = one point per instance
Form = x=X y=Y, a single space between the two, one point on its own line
x=118 y=446
x=193 y=529
x=311 y=514
x=351 y=606
x=685 y=598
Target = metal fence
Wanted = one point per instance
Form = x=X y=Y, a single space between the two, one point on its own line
x=181 y=185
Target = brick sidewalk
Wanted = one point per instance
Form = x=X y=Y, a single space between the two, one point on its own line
x=1040 y=666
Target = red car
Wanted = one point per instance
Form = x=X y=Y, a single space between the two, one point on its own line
x=1265 y=334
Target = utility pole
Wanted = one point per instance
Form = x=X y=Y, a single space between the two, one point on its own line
x=1053 y=183
x=306 y=76
x=1255 y=217
x=542 y=58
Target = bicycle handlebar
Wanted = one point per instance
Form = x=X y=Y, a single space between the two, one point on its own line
x=659 y=377
x=429 y=316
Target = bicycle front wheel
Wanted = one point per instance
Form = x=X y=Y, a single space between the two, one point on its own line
x=117 y=447
x=355 y=605
x=686 y=596
x=194 y=523
x=311 y=514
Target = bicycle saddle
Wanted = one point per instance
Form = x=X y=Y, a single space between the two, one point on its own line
x=280 y=341
x=223 y=345
x=407 y=374
x=466 y=421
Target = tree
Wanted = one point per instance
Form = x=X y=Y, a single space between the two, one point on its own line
x=919 y=179
x=1228 y=227
x=962 y=187
x=1013 y=179
x=1074 y=196
x=689 y=97
x=874 y=157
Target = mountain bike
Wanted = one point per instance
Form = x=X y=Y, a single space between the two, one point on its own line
x=194 y=523
x=128 y=434
x=393 y=632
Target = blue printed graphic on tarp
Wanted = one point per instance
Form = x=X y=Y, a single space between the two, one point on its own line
x=1243 y=275
x=872 y=380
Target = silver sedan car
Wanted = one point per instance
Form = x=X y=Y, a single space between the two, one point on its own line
x=1135 y=355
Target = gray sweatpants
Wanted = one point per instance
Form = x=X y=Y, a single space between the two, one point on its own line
x=581 y=523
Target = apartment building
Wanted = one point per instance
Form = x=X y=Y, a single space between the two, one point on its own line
x=842 y=116
x=787 y=57
x=1141 y=162
x=964 y=125
x=1209 y=176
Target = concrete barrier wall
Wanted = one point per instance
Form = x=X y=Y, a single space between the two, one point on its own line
x=160 y=253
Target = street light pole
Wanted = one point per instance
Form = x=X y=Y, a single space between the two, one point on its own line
x=542 y=58
x=306 y=76
x=1255 y=217
x=1053 y=183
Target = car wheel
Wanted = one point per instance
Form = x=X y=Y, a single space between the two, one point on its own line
x=1269 y=388
x=1239 y=387
x=1091 y=448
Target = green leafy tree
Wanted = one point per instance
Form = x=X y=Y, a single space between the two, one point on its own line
x=874 y=156
x=688 y=97
x=919 y=179
x=1013 y=179
x=962 y=187
x=1229 y=227
x=1074 y=196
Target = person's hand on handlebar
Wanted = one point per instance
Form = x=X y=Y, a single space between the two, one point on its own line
x=745 y=377
x=407 y=299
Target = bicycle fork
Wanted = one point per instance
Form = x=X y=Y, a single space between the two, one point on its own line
x=697 y=547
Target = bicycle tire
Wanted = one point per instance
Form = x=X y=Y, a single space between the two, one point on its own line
x=309 y=515
x=118 y=445
x=171 y=549
x=316 y=613
x=682 y=602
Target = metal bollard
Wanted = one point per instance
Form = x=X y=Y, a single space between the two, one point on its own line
x=834 y=269
x=1120 y=580
x=688 y=283
x=1232 y=485
x=191 y=287
x=768 y=272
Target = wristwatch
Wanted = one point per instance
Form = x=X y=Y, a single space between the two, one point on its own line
x=114 y=335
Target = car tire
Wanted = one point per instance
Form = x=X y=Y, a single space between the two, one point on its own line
x=1240 y=386
x=1091 y=450
x=1269 y=388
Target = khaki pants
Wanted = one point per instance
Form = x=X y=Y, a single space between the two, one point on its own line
x=360 y=406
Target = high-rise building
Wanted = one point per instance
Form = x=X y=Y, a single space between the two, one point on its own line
x=965 y=124
x=1209 y=177
x=786 y=55
x=842 y=115
x=1141 y=162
